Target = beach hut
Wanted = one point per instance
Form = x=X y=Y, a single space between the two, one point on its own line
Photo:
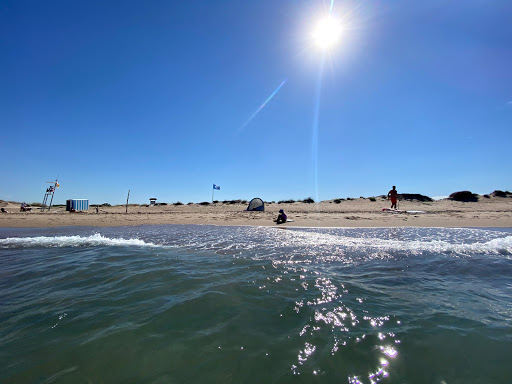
x=73 y=205
x=152 y=201
x=256 y=204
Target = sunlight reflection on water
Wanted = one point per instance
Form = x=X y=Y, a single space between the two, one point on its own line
x=335 y=304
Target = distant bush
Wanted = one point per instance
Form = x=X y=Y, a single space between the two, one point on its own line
x=190 y=203
x=161 y=204
x=286 y=202
x=204 y=203
x=414 y=196
x=39 y=204
x=350 y=198
x=465 y=196
x=373 y=199
x=106 y=205
x=215 y=201
x=178 y=203
x=499 y=193
x=309 y=200
x=337 y=201
x=487 y=196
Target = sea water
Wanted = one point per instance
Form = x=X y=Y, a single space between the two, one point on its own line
x=212 y=304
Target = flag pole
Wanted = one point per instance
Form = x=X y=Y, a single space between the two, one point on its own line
x=127 y=197
x=213 y=190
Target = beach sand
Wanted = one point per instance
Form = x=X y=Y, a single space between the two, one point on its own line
x=360 y=212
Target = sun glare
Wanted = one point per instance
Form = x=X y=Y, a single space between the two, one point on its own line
x=327 y=32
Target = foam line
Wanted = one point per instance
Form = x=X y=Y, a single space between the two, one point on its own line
x=495 y=246
x=70 y=241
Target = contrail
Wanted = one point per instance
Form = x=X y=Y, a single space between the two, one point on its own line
x=263 y=105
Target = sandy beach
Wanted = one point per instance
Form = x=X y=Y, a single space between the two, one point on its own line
x=359 y=212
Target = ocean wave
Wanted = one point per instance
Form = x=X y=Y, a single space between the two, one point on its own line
x=497 y=246
x=273 y=243
x=71 y=241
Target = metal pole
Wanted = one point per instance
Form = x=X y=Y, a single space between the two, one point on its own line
x=51 y=201
x=127 y=201
x=44 y=201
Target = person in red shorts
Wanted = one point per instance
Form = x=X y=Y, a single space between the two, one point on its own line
x=393 y=196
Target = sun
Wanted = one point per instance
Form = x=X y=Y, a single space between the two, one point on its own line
x=327 y=32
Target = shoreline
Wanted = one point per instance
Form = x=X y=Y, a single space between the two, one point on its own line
x=497 y=229
x=358 y=213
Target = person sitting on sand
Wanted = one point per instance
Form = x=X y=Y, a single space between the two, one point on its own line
x=281 y=218
x=4 y=211
x=393 y=194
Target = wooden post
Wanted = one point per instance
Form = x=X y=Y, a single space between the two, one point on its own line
x=127 y=197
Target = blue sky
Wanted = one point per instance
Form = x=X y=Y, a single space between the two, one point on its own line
x=156 y=97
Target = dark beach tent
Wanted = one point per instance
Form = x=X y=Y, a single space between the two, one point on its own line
x=256 y=204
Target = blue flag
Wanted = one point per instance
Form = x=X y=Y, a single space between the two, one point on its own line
x=216 y=187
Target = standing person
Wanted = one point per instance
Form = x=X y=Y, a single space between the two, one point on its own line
x=393 y=194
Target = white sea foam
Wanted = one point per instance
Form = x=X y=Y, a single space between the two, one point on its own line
x=311 y=239
x=70 y=241
x=495 y=246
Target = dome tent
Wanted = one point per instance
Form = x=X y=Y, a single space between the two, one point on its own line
x=256 y=204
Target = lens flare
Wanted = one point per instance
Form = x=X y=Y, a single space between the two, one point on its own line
x=263 y=105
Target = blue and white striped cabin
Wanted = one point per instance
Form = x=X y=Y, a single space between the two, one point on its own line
x=77 y=204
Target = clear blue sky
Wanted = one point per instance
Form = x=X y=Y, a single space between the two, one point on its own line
x=155 y=97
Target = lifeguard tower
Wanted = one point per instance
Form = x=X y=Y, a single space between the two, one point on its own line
x=152 y=201
x=50 y=191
